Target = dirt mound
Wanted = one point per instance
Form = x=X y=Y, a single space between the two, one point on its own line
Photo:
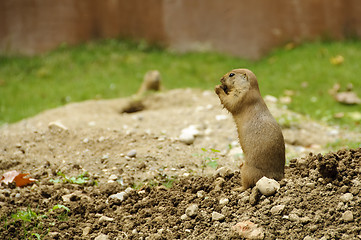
x=307 y=205
x=127 y=162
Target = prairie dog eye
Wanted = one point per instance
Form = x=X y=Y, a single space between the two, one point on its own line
x=231 y=74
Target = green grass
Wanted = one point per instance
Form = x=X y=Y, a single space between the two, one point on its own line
x=115 y=68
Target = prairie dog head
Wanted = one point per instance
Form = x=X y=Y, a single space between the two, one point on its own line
x=237 y=87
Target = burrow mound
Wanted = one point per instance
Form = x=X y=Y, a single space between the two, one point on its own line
x=319 y=198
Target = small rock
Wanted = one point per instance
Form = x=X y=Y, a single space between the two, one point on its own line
x=184 y=217
x=254 y=197
x=218 y=183
x=223 y=201
x=105 y=219
x=56 y=127
x=53 y=235
x=311 y=185
x=278 y=209
x=224 y=172
x=63 y=226
x=120 y=196
x=188 y=134
x=347 y=216
x=217 y=216
x=201 y=194
x=308 y=238
x=132 y=153
x=293 y=217
x=113 y=177
x=248 y=230
x=192 y=210
x=102 y=236
x=86 y=231
x=186 y=138
x=267 y=186
x=85 y=140
x=347 y=197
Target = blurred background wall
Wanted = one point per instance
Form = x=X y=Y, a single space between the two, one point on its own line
x=242 y=28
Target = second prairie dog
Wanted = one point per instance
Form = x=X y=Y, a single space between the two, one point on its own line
x=258 y=132
x=151 y=82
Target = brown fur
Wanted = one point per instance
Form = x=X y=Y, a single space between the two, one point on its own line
x=259 y=134
x=151 y=82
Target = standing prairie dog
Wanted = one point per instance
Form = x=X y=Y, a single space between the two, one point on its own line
x=258 y=132
x=151 y=82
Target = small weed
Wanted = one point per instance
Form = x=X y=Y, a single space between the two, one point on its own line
x=32 y=223
x=63 y=216
x=26 y=215
x=206 y=159
x=81 y=179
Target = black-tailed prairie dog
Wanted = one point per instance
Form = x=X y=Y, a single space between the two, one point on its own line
x=258 y=132
x=151 y=82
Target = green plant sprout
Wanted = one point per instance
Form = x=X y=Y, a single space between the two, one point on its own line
x=81 y=179
x=206 y=159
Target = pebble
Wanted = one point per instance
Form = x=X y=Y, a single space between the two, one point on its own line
x=189 y=134
x=308 y=238
x=57 y=127
x=105 y=219
x=192 y=210
x=201 y=194
x=132 y=153
x=224 y=172
x=187 y=138
x=347 y=216
x=102 y=236
x=248 y=230
x=113 y=177
x=217 y=216
x=267 y=186
x=53 y=235
x=223 y=201
x=347 y=197
x=184 y=217
x=86 y=231
x=121 y=195
x=278 y=209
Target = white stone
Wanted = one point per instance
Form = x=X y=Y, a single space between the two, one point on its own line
x=223 y=201
x=102 y=236
x=347 y=197
x=217 y=216
x=267 y=186
x=347 y=216
x=113 y=177
x=200 y=194
x=186 y=138
x=132 y=153
x=189 y=134
x=57 y=127
x=278 y=209
x=105 y=219
x=192 y=210
x=119 y=196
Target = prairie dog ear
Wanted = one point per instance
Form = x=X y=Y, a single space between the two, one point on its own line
x=244 y=76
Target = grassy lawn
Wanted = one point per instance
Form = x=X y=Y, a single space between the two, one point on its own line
x=115 y=68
